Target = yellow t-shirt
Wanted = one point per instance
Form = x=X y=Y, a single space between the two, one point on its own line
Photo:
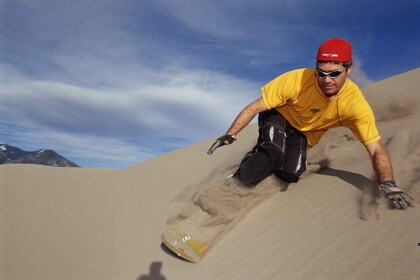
x=298 y=97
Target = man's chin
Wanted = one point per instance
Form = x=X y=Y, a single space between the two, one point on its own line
x=329 y=92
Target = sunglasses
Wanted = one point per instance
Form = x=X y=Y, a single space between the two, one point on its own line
x=333 y=74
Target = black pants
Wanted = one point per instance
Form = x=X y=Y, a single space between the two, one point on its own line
x=280 y=149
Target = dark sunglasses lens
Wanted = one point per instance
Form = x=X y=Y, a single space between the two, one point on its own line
x=320 y=74
x=335 y=74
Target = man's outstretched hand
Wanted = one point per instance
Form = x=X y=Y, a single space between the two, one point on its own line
x=222 y=140
x=396 y=197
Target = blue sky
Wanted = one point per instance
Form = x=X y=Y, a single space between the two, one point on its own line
x=114 y=83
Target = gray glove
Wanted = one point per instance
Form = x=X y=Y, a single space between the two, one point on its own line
x=222 y=140
x=396 y=197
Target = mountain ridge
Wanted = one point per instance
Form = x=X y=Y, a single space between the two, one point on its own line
x=14 y=155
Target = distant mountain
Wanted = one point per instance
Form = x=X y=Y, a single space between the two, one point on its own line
x=10 y=154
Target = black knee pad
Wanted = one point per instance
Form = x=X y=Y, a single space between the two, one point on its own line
x=254 y=168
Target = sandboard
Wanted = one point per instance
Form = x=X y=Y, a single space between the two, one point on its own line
x=219 y=207
x=186 y=245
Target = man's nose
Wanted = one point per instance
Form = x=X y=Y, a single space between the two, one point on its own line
x=327 y=79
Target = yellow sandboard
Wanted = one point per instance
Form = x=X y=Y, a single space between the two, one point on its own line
x=184 y=244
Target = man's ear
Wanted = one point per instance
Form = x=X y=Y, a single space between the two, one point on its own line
x=349 y=69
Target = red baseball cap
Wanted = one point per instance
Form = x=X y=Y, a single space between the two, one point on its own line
x=335 y=49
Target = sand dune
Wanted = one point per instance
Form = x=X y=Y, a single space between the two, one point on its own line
x=66 y=223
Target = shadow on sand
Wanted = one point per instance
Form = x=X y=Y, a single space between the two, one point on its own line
x=154 y=272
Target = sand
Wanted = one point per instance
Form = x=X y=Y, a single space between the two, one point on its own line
x=77 y=223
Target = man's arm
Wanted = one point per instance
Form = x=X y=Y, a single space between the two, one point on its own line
x=380 y=161
x=246 y=116
x=242 y=120
x=397 y=198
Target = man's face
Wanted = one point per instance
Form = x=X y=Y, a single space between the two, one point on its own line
x=330 y=86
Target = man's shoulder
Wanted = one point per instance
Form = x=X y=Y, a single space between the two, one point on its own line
x=301 y=72
x=352 y=87
x=287 y=86
x=352 y=102
x=296 y=76
x=351 y=93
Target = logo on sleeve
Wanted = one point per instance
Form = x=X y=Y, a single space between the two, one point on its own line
x=315 y=110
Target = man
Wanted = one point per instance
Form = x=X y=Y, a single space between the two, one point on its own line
x=297 y=108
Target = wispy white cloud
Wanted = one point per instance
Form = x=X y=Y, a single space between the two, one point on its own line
x=177 y=112
x=180 y=93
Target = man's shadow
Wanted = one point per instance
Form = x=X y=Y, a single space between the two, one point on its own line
x=154 y=272
x=368 y=200
x=361 y=182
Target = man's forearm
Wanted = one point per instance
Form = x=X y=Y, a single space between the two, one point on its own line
x=246 y=116
x=241 y=121
x=383 y=168
x=382 y=164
